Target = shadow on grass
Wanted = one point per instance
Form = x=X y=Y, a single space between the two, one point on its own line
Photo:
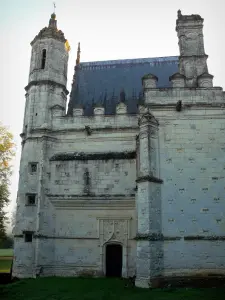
x=54 y=288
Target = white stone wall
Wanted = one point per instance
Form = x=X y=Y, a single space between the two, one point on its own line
x=106 y=177
x=192 y=166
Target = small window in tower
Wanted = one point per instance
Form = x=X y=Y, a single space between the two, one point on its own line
x=31 y=199
x=43 y=60
x=28 y=236
x=33 y=167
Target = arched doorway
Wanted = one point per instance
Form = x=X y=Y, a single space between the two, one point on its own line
x=114 y=260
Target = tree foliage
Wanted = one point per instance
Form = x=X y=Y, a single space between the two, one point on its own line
x=7 y=242
x=7 y=152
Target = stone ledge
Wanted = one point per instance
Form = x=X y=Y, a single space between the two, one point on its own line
x=112 y=202
x=93 y=156
x=161 y=237
x=204 y=238
x=149 y=178
x=156 y=237
x=92 y=197
x=50 y=82
x=42 y=236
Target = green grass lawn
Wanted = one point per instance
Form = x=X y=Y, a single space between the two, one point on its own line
x=5 y=260
x=6 y=252
x=5 y=265
x=99 y=289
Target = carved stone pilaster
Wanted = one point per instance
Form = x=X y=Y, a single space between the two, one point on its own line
x=148 y=198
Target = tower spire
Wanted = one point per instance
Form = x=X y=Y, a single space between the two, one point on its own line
x=52 y=21
x=78 y=55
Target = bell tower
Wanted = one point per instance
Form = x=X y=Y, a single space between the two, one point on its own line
x=47 y=77
x=45 y=93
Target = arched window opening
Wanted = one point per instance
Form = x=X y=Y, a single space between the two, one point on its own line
x=43 y=60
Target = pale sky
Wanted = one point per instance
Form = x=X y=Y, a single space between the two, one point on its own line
x=107 y=30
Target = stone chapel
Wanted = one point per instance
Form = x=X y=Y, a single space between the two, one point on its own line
x=130 y=179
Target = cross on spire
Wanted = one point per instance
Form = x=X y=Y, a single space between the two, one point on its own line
x=54 y=6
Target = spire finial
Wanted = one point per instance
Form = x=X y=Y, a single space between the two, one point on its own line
x=52 y=21
x=78 y=55
x=179 y=14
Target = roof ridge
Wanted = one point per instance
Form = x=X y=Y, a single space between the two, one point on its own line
x=129 y=61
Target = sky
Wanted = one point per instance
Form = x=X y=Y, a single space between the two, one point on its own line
x=107 y=30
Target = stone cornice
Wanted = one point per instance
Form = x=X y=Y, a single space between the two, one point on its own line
x=141 y=237
x=197 y=106
x=193 y=56
x=102 y=202
x=204 y=238
x=57 y=106
x=47 y=82
x=161 y=237
x=55 y=237
x=155 y=237
x=185 y=89
x=93 y=156
x=114 y=218
x=49 y=32
x=96 y=129
x=43 y=137
x=149 y=179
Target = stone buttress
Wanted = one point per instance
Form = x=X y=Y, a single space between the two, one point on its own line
x=149 y=245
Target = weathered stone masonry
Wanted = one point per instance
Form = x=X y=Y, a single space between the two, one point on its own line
x=150 y=179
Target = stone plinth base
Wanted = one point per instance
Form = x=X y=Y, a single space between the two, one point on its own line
x=142 y=283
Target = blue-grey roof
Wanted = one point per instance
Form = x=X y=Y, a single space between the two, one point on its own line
x=109 y=82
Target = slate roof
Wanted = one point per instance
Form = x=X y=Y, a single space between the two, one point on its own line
x=109 y=82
